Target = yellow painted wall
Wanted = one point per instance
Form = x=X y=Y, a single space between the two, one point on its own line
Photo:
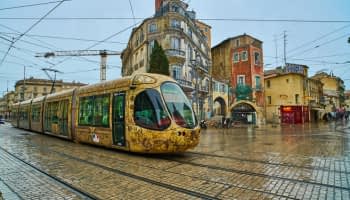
x=282 y=91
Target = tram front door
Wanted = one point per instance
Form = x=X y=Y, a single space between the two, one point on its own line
x=119 y=119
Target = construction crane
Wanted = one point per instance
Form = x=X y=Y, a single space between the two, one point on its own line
x=102 y=53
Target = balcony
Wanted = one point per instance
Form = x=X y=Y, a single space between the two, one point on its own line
x=203 y=89
x=187 y=86
x=175 y=55
x=200 y=66
x=258 y=88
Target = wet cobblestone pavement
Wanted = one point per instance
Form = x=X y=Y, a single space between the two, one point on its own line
x=286 y=162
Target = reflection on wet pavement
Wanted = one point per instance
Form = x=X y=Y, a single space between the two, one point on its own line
x=297 y=162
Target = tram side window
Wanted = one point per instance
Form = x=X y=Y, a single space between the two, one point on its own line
x=36 y=113
x=94 y=110
x=52 y=112
x=85 y=110
x=150 y=111
x=23 y=114
x=101 y=110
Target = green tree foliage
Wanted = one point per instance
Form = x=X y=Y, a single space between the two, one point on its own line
x=243 y=92
x=159 y=63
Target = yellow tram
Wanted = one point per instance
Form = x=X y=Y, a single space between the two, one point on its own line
x=142 y=113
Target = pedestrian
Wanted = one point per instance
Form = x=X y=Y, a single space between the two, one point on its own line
x=347 y=113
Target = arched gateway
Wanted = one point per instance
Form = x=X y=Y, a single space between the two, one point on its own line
x=244 y=113
x=219 y=106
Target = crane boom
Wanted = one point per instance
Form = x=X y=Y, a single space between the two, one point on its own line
x=102 y=53
x=77 y=53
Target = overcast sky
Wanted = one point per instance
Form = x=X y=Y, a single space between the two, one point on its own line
x=320 y=45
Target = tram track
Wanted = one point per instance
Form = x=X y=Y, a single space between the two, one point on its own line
x=183 y=190
x=81 y=193
x=267 y=162
x=120 y=172
x=249 y=173
x=204 y=166
x=164 y=185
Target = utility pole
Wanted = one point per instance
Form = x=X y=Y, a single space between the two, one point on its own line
x=285 y=47
x=52 y=79
x=276 y=51
x=24 y=83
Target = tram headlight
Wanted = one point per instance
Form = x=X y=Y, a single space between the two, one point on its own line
x=143 y=79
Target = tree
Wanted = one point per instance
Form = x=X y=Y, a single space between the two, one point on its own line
x=159 y=63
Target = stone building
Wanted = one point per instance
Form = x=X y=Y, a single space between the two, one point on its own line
x=292 y=97
x=32 y=88
x=186 y=42
x=333 y=91
x=238 y=61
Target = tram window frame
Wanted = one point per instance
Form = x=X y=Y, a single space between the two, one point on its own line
x=51 y=112
x=96 y=115
x=35 y=113
x=159 y=117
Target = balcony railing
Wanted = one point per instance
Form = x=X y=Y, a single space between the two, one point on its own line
x=175 y=52
x=200 y=66
x=184 y=83
x=204 y=88
x=258 y=88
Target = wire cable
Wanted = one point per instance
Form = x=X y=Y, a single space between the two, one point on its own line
x=202 y=19
x=29 y=29
x=31 y=5
x=132 y=12
x=319 y=38
x=64 y=38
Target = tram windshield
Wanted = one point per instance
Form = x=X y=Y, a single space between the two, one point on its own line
x=178 y=105
x=150 y=111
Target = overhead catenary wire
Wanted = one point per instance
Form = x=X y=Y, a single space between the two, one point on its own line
x=319 y=38
x=203 y=19
x=64 y=38
x=29 y=29
x=132 y=11
x=99 y=42
x=31 y=5
x=319 y=45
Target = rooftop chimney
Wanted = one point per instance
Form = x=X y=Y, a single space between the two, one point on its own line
x=158 y=4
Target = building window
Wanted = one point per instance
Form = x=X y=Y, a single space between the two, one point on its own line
x=176 y=72
x=241 y=80
x=244 y=55
x=175 y=23
x=235 y=57
x=190 y=52
x=237 y=43
x=297 y=99
x=268 y=83
x=222 y=89
x=44 y=89
x=269 y=100
x=257 y=82
x=257 y=58
x=287 y=80
x=175 y=43
x=189 y=32
x=152 y=28
x=151 y=46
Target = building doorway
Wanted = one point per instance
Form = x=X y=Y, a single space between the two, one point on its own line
x=243 y=113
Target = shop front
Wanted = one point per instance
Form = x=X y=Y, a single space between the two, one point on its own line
x=294 y=114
